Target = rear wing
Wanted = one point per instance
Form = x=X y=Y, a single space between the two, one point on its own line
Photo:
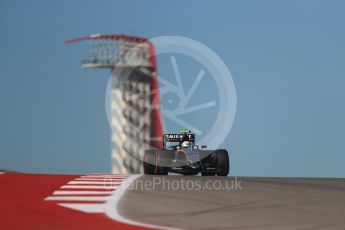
x=177 y=137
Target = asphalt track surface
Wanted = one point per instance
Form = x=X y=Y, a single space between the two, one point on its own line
x=260 y=203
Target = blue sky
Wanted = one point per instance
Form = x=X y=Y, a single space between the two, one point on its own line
x=286 y=58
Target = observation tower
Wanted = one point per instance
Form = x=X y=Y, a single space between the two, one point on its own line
x=134 y=106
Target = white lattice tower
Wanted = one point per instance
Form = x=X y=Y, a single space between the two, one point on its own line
x=134 y=105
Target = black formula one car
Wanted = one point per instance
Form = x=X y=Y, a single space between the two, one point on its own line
x=181 y=155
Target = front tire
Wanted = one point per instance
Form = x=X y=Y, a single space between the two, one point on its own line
x=148 y=162
x=160 y=170
x=204 y=162
x=151 y=164
x=222 y=162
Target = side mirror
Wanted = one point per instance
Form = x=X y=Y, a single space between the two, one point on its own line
x=204 y=146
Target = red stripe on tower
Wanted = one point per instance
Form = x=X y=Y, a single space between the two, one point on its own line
x=156 y=118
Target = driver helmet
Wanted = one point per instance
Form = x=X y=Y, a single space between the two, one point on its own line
x=185 y=144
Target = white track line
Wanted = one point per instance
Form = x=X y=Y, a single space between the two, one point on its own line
x=106 y=176
x=112 y=206
x=79 y=198
x=106 y=182
x=100 y=179
x=88 y=208
x=90 y=176
x=82 y=192
x=89 y=186
x=98 y=176
x=95 y=174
